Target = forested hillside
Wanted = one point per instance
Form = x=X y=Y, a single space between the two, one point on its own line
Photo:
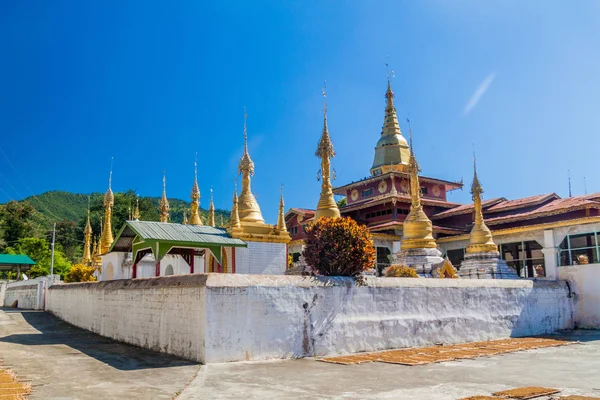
x=26 y=225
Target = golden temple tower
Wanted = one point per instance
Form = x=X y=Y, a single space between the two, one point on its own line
x=211 y=210
x=280 y=227
x=248 y=207
x=107 y=239
x=194 y=215
x=392 y=152
x=87 y=235
x=234 y=219
x=136 y=211
x=417 y=230
x=163 y=207
x=481 y=239
x=326 y=207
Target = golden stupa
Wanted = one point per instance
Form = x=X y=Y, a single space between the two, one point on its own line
x=247 y=222
x=106 y=238
x=481 y=240
x=211 y=211
x=163 y=207
x=86 y=259
x=417 y=229
x=195 y=206
x=327 y=207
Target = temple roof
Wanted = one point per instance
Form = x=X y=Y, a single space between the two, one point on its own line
x=467 y=208
x=341 y=190
x=524 y=202
x=402 y=198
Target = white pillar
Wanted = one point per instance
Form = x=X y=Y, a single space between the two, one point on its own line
x=550 y=255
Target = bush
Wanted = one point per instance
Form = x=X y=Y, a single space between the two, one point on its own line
x=338 y=247
x=400 y=271
x=80 y=273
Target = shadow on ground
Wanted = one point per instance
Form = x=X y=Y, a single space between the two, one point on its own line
x=54 y=331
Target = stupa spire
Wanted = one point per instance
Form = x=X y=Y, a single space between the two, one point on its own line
x=417 y=229
x=281 y=217
x=234 y=220
x=392 y=152
x=211 y=210
x=248 y=208
x=195 y=214
x=326 y=207
x=107 y=239
x=136 y=211
x=185 y=218
x=87 y=235
x=481 y=239
x=163 y=207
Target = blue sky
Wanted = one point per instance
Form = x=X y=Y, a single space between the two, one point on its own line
x=150 y=83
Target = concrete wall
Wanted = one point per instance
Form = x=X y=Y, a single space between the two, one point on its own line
x=231 y=317
x=2 y=289
x=164 y=314
x=30 y=294
x=261 y=258
x=585 y=283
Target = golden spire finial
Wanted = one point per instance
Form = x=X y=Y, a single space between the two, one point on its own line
x=163 y=207
x=481 y=239
x=87 y=235
x=281 y=217
x=234 y=220
x=417 y=229
x=326 y=207
x=185 y=218
x=194 y=214
x=136 y=212
x=107 y=239
x=248 y=208
x=211 y=210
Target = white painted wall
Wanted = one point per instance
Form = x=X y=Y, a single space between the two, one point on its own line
x=261 y=258
x=164 y=314
x=30 y=293
x=585 y=283
x=232 y=317
x=2 y=289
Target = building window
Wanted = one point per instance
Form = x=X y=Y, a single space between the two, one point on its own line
x=294 y=230
x=367 y=192
x=524 y=257
x=402 y=211
x=169 y=270
x=383 y=259
x=456 y=257
x=579 y=249
x=424 y=190
x=375 y=214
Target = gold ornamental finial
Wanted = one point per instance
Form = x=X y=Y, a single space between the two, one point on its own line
x=136 y=211
x=326 y=207
x=87 y=235
x=185 y=218
x=281 y=217
x=195 y=214
x=234 y=220
x=481 y=239
x=163 y=207
x=211 y=210
x=107 y=239
x=248 y=208
x=417 y=229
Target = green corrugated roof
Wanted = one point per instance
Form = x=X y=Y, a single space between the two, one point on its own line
x=165 y=231
x=15 y=259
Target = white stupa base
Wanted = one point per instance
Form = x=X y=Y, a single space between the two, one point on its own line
x=422 y=260
x=486 y=265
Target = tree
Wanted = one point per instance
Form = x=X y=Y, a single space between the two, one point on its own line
x=338 y=247
x=67 y=237
x=341 y=202
x=39 y=251
x=80 y=273
x=401 y=271
x=15 y=220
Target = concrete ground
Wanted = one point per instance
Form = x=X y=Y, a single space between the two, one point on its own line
x=63 y=362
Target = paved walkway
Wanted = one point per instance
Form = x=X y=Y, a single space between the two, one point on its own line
x=575 y=369
x=64 y=362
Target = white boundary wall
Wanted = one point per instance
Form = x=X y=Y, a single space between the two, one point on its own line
x=585 y=283
x=231 y=317
x=30 y=294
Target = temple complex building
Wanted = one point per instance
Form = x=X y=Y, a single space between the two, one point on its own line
x=534 y=235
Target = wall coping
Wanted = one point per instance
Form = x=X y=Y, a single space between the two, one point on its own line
x=243 y=280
